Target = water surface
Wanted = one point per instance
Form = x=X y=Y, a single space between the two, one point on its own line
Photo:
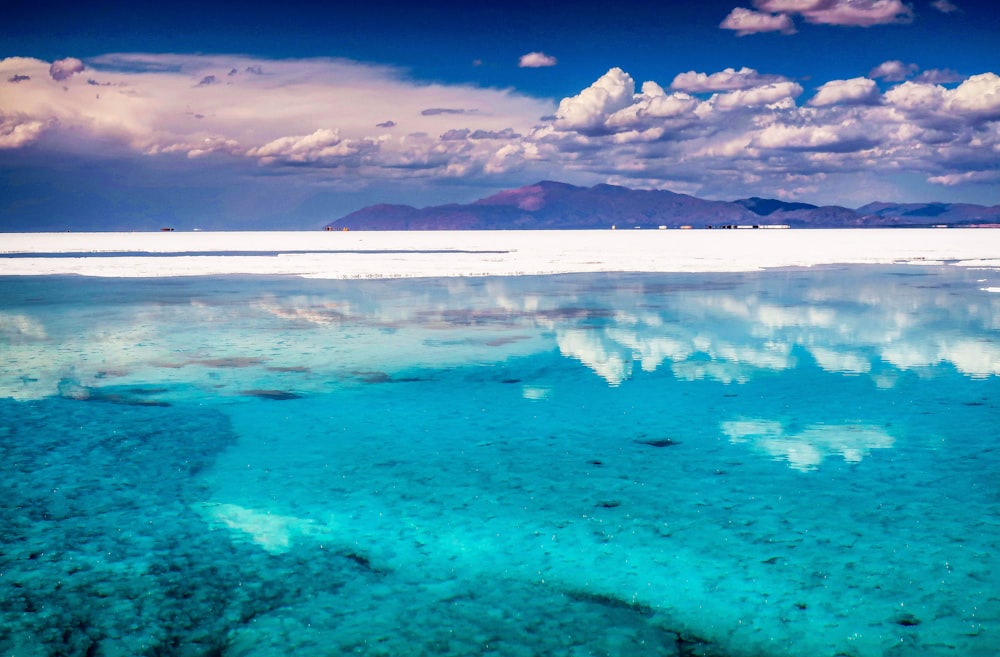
x=797 y=462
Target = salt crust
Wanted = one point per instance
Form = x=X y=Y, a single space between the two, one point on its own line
x=345 y=255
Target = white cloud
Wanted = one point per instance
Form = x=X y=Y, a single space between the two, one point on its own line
x=271 y=110
x=61 y=69
x=856 y=91
x=810 y=138
x=746 y=21
x=893 y=71
x=331 y=119
x=322 y=146
x=944 y=6
x=940 y=76
x=952 y=179
x=916 y=97
x=18 y=131
x=537 y=60
x=757 y=96
x=978 y=97
x=726 y=80
x=589 y=109
x=776 y=15
x=861 y=13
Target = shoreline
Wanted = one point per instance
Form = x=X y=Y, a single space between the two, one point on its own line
x=413 y=254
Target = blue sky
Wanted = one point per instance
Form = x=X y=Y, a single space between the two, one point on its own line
x=235 y=115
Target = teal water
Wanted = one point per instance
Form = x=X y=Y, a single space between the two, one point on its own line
x=787 y=463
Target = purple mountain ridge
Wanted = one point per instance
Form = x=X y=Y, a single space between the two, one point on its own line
x=551 y=205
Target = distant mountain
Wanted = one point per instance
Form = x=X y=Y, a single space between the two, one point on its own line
x=554 y=205
x=933 y=213
x=766 y=206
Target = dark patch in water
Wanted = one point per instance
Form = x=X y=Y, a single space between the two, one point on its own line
x=274 y=395
x=906 y=620
x=375 y=376
x=608 y=504
x=371 y=376
x=663 y=442
x=69 y=389
x=234 y=362
x=364 y=562
x=611 y=602
x=689 y=645
x=112 y=398
x=510 y=380
x=147 y=391
x=500 y=342
x=289 y=368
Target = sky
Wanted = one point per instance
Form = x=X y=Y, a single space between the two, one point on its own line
x=222 y=115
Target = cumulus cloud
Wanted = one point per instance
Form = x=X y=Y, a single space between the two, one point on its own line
x=939 y=76
x=589 y=109
x=860 y=13
x=979 y=95
x=147 y=102
x=746 y=21
x=654 y=109
x=760 y=136
x=17 y=131
x=322 y=146
x=977 y=99
x=776 y=15
x=814 y=139
x=893 y=71
x=756 y=96
x=730 y=133
x=537 y=60
x=953 y=179
x=857 y=91
x=62 y=69
x=726 y=80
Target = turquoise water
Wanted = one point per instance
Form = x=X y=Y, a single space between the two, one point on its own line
x=785 y=463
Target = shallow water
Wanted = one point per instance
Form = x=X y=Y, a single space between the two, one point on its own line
x=797 y=462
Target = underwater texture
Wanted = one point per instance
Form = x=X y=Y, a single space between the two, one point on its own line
x=783 y=463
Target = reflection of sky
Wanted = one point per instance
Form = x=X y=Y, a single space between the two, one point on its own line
x=845 y=324
x=806 y=449
x=728 y=328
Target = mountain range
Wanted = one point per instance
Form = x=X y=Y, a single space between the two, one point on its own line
x=549 y=205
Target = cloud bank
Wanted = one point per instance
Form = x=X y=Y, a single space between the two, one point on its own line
x=723 y=134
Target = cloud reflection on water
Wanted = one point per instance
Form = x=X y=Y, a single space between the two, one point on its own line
x=726 y=327
x=806 y=449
